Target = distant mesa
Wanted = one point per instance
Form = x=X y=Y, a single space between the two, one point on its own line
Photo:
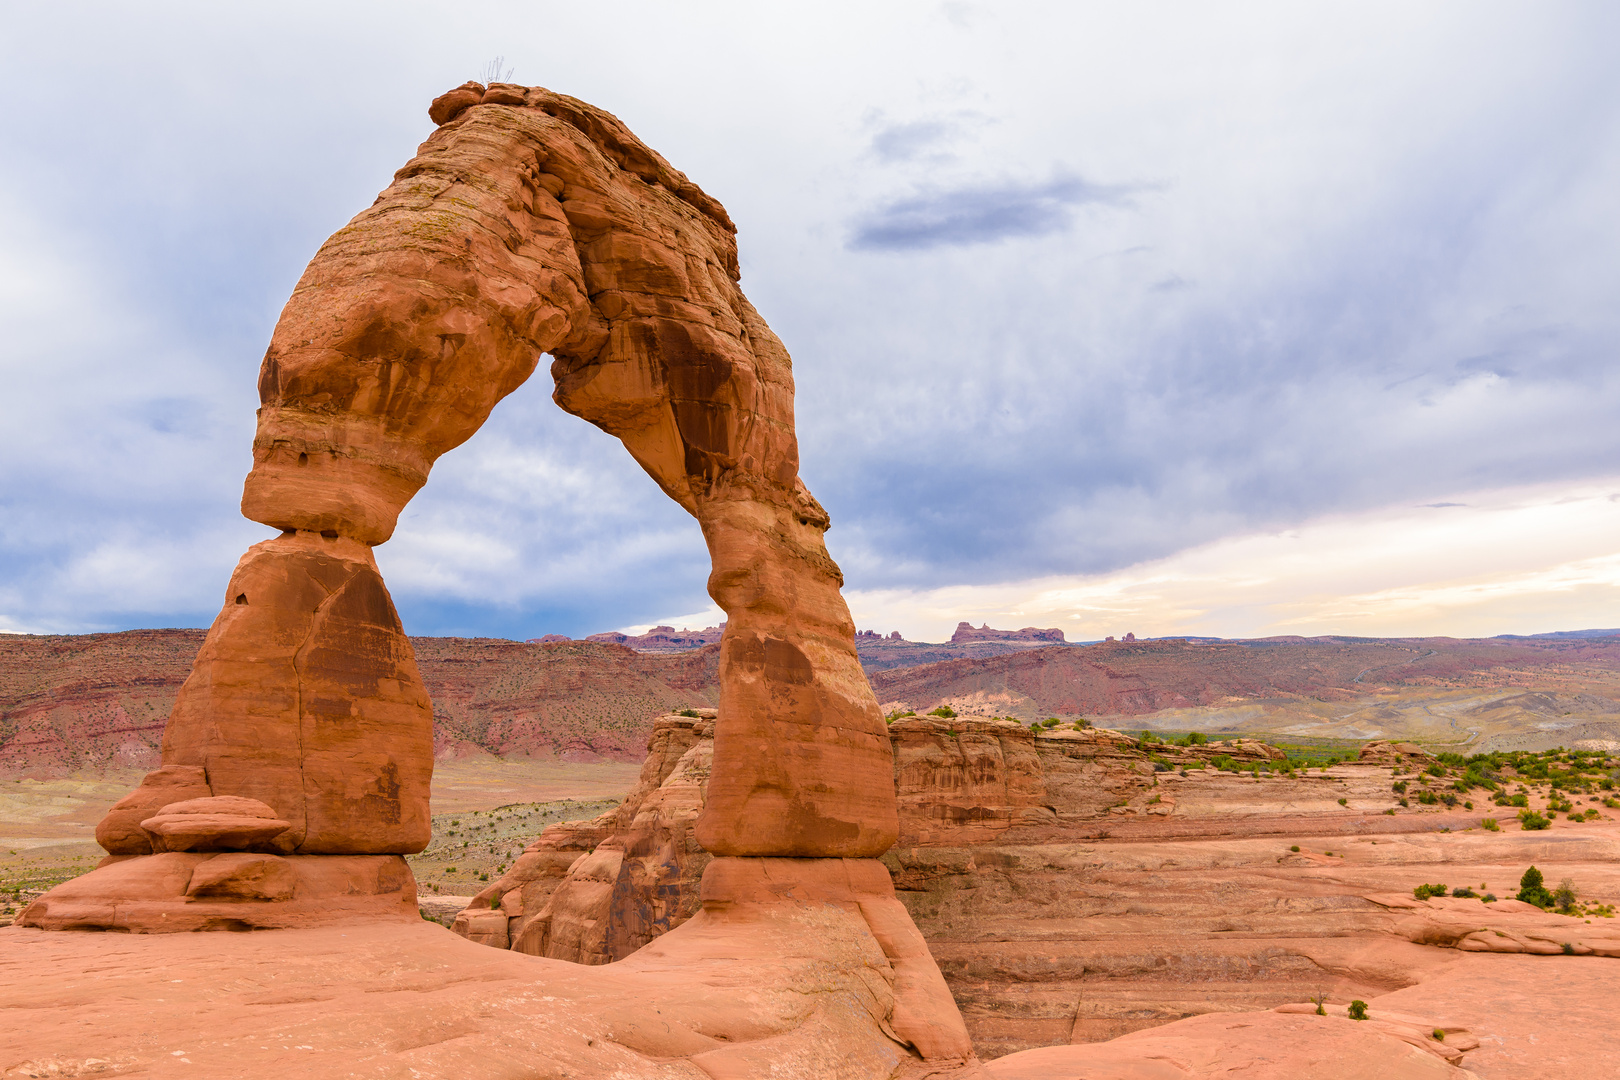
x=1127 y=637
x=965 y=633
x=660 y=639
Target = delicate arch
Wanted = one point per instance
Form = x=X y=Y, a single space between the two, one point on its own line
x=528 y=223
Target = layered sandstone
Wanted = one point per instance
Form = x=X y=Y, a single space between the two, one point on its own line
x=1076 y=885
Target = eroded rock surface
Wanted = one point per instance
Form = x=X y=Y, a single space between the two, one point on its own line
x=1073 y=888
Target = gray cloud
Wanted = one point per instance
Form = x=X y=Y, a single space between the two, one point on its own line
x=969 y=410
x=981 y=213
x=910 y=140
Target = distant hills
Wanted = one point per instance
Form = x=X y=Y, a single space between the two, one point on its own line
x=92 y=701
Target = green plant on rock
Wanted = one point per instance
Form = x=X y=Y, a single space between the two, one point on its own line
x=1563 y=897
x=943 y=711
x=1531 y=821
x=1358 y=1009
x=1533 y=889
x=1423 y=892
x=1489 y=824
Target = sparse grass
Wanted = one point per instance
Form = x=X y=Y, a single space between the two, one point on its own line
x=468 y=847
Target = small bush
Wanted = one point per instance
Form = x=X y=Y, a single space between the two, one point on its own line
x=1439 y=1036
x=1390 y=811
x=693 y=713
x=1344 y=802
x=1050 y=722
x=1519 y=800
x=1533 y=890
x=1468 y=806
x=1399 y=788
x=1489 y=825
x=1463 y=890
x=1294 y=848
x=1531 y=821
x=1489 y=898
x=1563 y=897
x=1569 y=950
x=944 y=711
x=1358 y=1009
x=1423 y=892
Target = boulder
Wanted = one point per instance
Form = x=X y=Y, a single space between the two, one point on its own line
x=217 y=823
x=120 y=832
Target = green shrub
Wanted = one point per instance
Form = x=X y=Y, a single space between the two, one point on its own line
x=945 y=711
x=1423 y=892
x=1427 y=798
x=1344 y=802
x=1399 y=787
x=1358 y=1009
x=1050 y=722
x=693 y=713
x=1489 y=898
x=1489 y=825
x=1519 y=800
x=1533 y=890
x=1569 y=950
x=1463 y=890
x=1563 y=897
x=1531 y=821
x=1439 y=1035
x=1294 y=848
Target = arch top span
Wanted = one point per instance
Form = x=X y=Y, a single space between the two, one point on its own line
x=532 y=223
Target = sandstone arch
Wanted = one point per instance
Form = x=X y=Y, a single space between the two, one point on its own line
x=297 y=759
x=528 y=223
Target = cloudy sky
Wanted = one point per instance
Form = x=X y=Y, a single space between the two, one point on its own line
x=1230 y=319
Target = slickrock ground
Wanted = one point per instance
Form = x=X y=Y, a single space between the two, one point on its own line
x=1072 y=892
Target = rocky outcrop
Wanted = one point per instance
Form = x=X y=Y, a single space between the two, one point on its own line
x=1078 y=883
x=965 y=632
x=663 y=639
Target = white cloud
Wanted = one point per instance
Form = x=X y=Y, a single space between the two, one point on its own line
x=1524 y=560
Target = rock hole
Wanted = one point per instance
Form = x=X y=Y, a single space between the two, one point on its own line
x=330 y=534
x=303 y=459
x=241 y=598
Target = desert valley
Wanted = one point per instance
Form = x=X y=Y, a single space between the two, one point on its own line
x=1095 y=840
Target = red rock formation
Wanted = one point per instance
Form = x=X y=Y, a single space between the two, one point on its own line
x=663 y=639
x=965 y=633
x=1073 y=889
x=531 y=223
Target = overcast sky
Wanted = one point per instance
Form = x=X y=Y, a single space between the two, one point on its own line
x=1080 y=297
